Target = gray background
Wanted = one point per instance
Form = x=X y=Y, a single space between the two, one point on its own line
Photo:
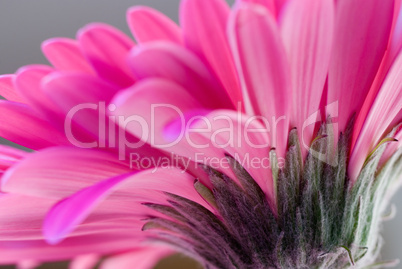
x=24 y=24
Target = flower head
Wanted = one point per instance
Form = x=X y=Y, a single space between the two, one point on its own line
x=265 y=136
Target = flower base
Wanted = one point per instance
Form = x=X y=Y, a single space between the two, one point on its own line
x=320 y=220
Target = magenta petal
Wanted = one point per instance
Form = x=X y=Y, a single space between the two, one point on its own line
x=268 y=4
x=107 y=48
x=172 y=62
x=65 y=215
x=88 y=112
x=59 y=172
x=7 y=89
x=15 y=250
x=360 y=40
x=239 y=142
x=28 y=84
x=147 y=24
x=263 y=63
x=307 y=31
x=9 y=156
x=397 y=120
x=392 y=147
x=21 y=217
x=80 y=98
x=67 y=89
x=21 y=238
x=198 y=38
x=157 y=102
x=394 y=47
x=385 y=108
x=65 y=54
x=70 y=212
x=22 y=125
x=171 y=121
x=396 y=34
x=156 y=111
x=280 y=4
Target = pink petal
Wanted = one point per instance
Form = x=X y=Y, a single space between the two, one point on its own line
x=73 y=83
x=14 y=251
x=28 y=264
x=88 y=261
x=147 y=24
x=172 y=62
x=159 y=111
x=21 y=219
x=59 y=172
x=27 y=83
x=397 y=120
x=22 y=125
x=392 y=147
x=385 y=108
x=65 y=54
x=141 y=258
x=396 y=32
x=66 y=91
x=307 y=30
x=83 y=111
x=11 y=153
x=109 y=230
x=64 y=216
x=150 y=186
x=361 y=37
x=268 y=4
x=394 y=47
x=157 y=102
x=88 y=112
x=169 y=123
x=280 y=4
x=202 y=36
x=234 y=133
x=107 y=48
x=9 y=156
x=156 y=111
x=21 y=239
x=7 y=89
x=262 y=61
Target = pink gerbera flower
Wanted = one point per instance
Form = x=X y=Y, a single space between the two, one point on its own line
x=263 y=136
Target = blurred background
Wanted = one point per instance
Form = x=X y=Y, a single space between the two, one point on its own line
x=24 y=24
